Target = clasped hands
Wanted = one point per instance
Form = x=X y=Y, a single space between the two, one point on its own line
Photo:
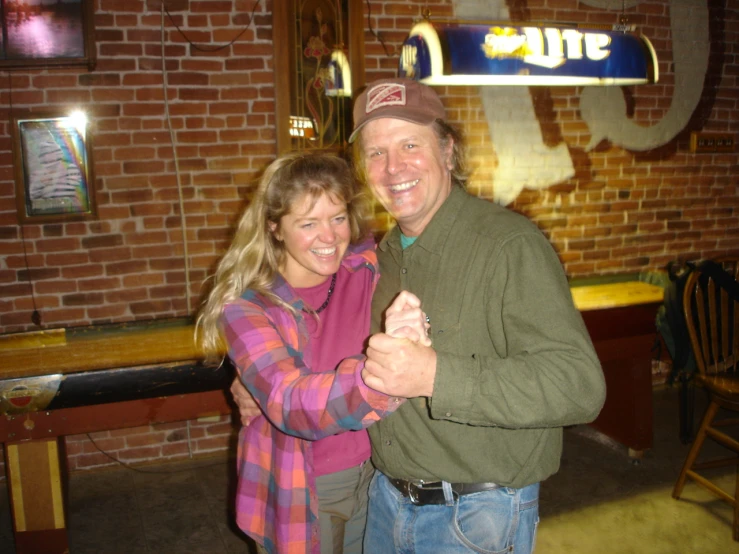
x=400 y=361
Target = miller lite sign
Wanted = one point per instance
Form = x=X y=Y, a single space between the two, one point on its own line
x=526 y=55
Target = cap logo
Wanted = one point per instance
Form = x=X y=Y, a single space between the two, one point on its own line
x=384 y=95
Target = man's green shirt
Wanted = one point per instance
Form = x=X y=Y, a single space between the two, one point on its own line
x=514 y=361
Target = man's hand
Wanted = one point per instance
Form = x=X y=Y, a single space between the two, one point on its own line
x=248 y=407
x=399 y=367
x=405 y=319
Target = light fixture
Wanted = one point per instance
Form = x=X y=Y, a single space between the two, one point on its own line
x=339 y=75
x=526 y=54
x=78 y=120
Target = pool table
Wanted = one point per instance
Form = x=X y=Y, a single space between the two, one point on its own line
x=81 y=380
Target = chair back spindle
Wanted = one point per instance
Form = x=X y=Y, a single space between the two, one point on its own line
x=712 y=318
x=711 y=309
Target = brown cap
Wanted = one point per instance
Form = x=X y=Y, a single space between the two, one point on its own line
x=397 y=98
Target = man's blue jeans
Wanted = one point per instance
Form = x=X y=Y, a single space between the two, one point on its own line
x=501 y=520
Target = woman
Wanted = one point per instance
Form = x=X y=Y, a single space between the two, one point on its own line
x=292 y=301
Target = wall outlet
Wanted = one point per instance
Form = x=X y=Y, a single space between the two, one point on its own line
x=703 y=141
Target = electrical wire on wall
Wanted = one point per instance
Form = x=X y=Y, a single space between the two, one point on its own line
x=214 y=48
x=141 y=470
x=165 y=85
x=35 y=315
x=180 y=196
x=376 y=35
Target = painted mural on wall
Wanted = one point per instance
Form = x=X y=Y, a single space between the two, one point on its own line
x=510 y=111
x=604 y=109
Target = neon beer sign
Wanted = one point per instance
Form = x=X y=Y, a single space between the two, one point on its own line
x=525 y=55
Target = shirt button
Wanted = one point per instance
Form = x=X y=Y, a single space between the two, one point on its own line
x=396 y=400
x=404 y=270
x=388 y=443
x=448 y=414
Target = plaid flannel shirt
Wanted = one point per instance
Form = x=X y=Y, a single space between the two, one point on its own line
x=276 y=500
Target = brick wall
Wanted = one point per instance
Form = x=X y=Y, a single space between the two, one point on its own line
x=622 y=211
x=166 y=441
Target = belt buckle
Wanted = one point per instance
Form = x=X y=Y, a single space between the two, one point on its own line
x=413 y=488
x=413 y=491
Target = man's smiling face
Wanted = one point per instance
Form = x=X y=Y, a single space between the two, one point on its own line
x=407 y=170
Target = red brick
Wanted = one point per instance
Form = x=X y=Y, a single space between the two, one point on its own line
x=138 y=168
x=134 y=153
x=140 y=453
x=57 y=245
x=175 y=450
x=81 y=271
x=130 y=294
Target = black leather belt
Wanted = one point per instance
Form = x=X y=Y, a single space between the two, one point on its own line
x=421 y=493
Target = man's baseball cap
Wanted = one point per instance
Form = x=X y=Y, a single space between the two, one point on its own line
x=398 y=98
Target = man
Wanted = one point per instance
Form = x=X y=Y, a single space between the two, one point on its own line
x=511 y=363
x=459 y=464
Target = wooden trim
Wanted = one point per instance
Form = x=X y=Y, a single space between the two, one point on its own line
x=280 y=23
x=101 y=351
x=35 y=426
x=356 y=46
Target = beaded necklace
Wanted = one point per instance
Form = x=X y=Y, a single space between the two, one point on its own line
x=330 y=292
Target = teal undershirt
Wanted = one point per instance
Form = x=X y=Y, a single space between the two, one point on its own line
x=405 y=242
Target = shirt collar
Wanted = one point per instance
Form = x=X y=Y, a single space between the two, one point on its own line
x=438 y=229
x=283 y=289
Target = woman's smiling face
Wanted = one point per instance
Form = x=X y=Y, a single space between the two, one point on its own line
x=315 y=235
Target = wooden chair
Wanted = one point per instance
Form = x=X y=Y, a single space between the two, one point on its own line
x=712 y=318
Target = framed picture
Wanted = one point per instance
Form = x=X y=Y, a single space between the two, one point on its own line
x=53 y=168
x=321 y=65
x=47 y=33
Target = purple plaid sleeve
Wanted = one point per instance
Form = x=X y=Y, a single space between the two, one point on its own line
x=264 y=346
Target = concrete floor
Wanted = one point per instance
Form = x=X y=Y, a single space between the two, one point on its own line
x=599 y=503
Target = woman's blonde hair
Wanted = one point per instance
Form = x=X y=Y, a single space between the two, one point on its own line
x=255 y=255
